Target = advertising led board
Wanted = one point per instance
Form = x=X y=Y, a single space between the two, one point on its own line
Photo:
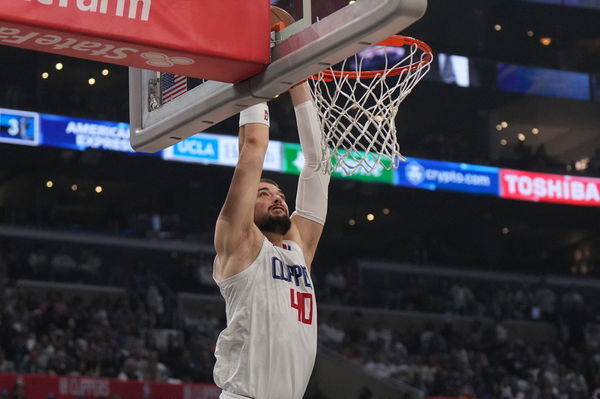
x=543 y=82
x=544 y=187
x=218 y=149
x=294 y=160
x=437 y=175
x=19 y=127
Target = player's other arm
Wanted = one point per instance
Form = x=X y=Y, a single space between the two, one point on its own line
x=311 y=198
x=237 y=239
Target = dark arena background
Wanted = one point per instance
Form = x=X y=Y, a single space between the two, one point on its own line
x=473 y=271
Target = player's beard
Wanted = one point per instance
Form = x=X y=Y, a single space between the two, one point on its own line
x=275 y=224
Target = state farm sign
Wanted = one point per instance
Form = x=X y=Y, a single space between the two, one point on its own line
x=543 y=187
x=176 y=36
x=116 y=9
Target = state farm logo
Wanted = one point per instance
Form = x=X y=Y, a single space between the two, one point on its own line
x=164 y=61
x=90 y=49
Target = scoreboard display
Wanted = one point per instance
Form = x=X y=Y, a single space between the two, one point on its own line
x=19 y=127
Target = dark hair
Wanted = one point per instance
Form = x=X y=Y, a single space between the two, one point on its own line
x=270 y=181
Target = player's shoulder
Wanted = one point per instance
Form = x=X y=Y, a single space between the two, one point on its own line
x=235 y=260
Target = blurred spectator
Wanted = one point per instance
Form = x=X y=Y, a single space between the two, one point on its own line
x=462 y=298
x=63 y=263
x=89 y=263
x=380 y=336
x=331 y=334
x=335 y=282
x=6 y=366
x=546 y=299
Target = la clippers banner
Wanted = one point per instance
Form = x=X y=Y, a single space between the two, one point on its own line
x=224 y=40
x=43 y=386
x=543 y=187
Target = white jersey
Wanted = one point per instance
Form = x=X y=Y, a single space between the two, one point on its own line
x=269 y=346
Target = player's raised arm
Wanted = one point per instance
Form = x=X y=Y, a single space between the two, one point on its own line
x=237 y=239
x=311 y=198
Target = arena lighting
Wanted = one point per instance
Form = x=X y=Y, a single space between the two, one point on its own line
x=498 y=127
x=521 y=136
x=504 y=124
x=105 y=72
x=546 y=41
x=45 y=75
x=352 y=222
x=98 y=189
x=497 y=27
x=503 y=142
x=505 y=230
x=530 y=33
x=59 y=66
x=370 y=217
x=91 y=81
x=535 y=130
x=74 y=187
x=385 y=211
x=49 y=184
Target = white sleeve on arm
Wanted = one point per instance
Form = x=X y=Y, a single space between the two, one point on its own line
x=258 y=113
x=311 y=198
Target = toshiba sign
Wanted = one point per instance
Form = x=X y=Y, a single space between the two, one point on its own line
x=543 y=187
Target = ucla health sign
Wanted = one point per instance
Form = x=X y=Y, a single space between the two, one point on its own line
x=436 y=175
x=218 y=149
x=198 y=149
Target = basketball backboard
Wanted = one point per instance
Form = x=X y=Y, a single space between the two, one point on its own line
x=325 y=33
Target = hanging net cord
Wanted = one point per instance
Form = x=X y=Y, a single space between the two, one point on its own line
x=357 y=112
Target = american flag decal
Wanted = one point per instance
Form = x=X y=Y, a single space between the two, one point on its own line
x=172 y=86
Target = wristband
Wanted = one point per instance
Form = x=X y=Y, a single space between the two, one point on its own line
x=258 y=113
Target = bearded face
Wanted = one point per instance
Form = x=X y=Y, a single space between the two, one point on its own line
x=275 y=224
x=271 y=212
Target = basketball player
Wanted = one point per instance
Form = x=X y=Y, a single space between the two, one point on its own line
x=263 y=264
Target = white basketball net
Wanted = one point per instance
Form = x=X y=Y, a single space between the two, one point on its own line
x=357 y=113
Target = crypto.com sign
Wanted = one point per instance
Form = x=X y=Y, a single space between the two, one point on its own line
x=192 y=38
x=543 y=187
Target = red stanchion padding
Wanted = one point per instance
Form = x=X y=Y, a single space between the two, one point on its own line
x=224 y=40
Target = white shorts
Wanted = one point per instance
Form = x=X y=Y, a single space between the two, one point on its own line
x=229 y=395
